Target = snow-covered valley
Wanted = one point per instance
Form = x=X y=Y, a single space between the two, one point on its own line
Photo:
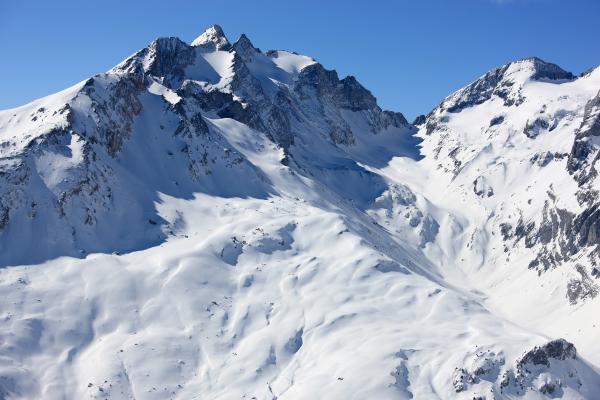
x=210 y=221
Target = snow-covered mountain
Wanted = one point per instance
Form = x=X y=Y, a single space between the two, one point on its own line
x=211 y=221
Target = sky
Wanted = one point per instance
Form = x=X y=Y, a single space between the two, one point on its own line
x=409 y=54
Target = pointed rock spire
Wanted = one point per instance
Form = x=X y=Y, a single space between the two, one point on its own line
x=244 y=47
x=213 y=38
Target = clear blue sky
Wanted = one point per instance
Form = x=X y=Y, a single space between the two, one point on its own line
x=410 y=54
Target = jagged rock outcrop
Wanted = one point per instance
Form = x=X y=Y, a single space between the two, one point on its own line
x=549 y=370
x=584 y=153
x=168 y=58
x=419 y=120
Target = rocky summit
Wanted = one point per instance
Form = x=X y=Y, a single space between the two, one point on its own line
x=214 y=221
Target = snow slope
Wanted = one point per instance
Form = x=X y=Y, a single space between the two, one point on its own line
x=209 y=221
x=513 y=176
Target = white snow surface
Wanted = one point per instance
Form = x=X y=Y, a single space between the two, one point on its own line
x=368 y=270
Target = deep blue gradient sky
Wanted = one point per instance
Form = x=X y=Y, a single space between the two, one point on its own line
x=410 y=54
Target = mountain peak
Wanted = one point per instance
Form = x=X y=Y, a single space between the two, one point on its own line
x=212 y=38
x=505 y=82
x=537 y=69
x=244 y=46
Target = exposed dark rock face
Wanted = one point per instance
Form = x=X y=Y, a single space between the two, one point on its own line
x=545 y=70
x=315 y=77
x=559 y=237
x=419 y=120
x=585 y=153
x=538 y=361
x=545 y=158
x=571 y=232
x=315 y=85
x=480 y=91
x=191 y=123
x=169 y=58
x=277 y=120
x=346 y=93
x=560 y=233
x=392 y=118
x=522 y=376
x=582 y=288
x=112 y=118
x=222 y=103
x=244 y=47
x=13 y=180
x=353 y=96
x=429 y=230
x=244 y=84
x=485 y=365
x=558 y=349
x=432 y=125
x=496 y=120
x=341 y=134
x=534 y=128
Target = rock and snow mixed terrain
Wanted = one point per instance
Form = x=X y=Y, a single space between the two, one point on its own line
x=211 y=221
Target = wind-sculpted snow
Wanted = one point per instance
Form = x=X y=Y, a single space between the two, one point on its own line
x=211 y=221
